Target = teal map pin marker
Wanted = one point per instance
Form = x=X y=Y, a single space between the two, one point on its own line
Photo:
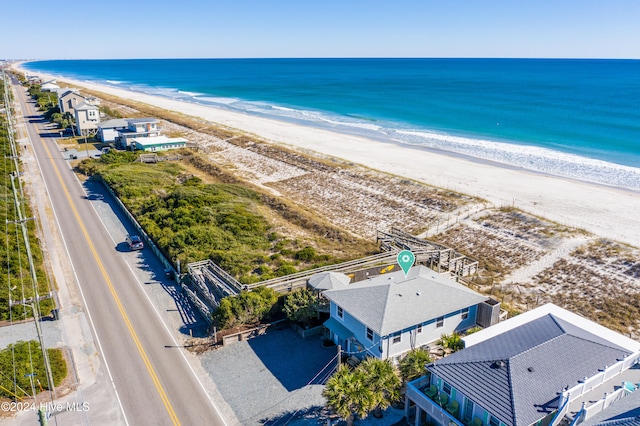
x=405 y=260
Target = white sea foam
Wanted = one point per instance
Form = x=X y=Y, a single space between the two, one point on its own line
x=116 y=82
x=320 y=118
x=216 y=100
x=190 y=94
x=529 y=157
x=523 y=156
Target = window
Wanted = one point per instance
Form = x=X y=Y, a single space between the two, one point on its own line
x=419 y=329
x=465 y=313
x=340 y=312
x=446 y=388
x=468 y=409
x=369 y=334
x=493 y=421
x=396 y=337
x=440 y=322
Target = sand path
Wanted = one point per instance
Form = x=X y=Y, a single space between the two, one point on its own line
x=526 y=273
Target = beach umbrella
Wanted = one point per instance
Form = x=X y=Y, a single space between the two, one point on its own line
x=328 y=280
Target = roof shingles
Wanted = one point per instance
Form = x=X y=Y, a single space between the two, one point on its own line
x=390 y=302
x=540 y=359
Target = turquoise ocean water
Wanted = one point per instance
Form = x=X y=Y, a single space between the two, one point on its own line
x=571 y=118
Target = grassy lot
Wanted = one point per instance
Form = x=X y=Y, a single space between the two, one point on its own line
x=227 y=221
x=22 y=359
x=13 y=256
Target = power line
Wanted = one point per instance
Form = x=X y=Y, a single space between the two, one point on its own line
x=21 y=221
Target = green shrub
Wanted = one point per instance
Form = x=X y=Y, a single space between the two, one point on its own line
x=301 y=306
x=192 y=221
x=13 y=257
x=247 y=308
x=21 y=356
x=285 y=269
x=307 y=254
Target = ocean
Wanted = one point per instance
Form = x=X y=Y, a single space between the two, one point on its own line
x=571 y=118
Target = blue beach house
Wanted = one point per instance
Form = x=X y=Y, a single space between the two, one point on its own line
x=543 y=367
x=388 y=315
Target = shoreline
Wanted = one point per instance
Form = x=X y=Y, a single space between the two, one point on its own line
x=609 y=168
x=605 y=211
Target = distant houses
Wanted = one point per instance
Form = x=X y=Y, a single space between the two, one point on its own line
x=69 y=98
x=108 y=130
x=388 y=315
x=158 y=143
x=141 y=134
x=137 y=128
x=83 y=108
x=49 y=86
x=87 y=118
x=534 y=369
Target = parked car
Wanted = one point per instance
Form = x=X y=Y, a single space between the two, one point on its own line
x=135 y=242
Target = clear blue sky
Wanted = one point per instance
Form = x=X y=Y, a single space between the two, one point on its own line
x=38 y=29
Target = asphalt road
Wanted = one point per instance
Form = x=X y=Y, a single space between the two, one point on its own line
x=154 y=383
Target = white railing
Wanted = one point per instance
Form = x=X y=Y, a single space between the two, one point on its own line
x=631 y=360
x=603 y=376
x=604 y=403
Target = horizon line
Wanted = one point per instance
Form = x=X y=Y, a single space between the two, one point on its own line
x=325 y=57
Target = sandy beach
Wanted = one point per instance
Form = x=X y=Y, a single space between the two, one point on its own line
x=604 y=211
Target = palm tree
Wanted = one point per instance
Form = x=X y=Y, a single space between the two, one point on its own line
x=383 y=380
x=413 y=364
x=453 y=342
x=347 y=394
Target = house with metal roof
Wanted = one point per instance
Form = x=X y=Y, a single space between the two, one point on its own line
x=108 y=130
x=388 y=315
x=539 y=368
x=158 y=143
x=136 y=128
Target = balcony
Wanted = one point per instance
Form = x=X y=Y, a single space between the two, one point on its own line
x=434 y=403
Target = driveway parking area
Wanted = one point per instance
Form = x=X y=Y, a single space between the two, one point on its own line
x=272 y=379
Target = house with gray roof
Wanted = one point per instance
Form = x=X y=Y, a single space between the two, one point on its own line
x=68 y=98
x=388 y=315
x=108 y=130
x=136 y=128
x=87 y=118
x=538 y=368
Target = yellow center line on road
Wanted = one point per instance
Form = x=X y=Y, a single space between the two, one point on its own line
x=125 y=317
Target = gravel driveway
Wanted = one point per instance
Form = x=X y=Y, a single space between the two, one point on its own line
x=272 y=378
